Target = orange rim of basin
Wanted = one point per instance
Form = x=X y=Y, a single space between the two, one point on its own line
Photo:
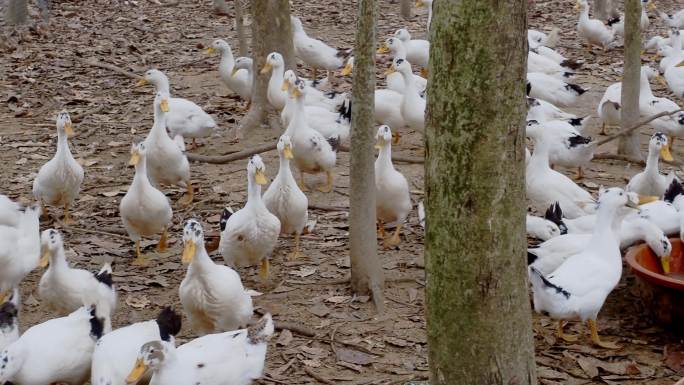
x=645 y=264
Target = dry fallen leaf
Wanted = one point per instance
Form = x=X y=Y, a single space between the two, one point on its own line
x=137 y=302
x=284 y=338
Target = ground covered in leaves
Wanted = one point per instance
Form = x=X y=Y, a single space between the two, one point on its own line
x=330 y=336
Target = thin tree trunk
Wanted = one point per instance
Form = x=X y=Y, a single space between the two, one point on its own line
x=366 y=270
x=271 y=31
x=406 y=9
x=221 y=7
x=478 y=312
x=16 y=12
x=629 y=145
x=240 y=28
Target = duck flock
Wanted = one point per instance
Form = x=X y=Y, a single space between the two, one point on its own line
x=571 y=272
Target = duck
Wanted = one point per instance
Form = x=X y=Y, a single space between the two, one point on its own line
x=412 y=105
x=542 y=111
x=313 y=153
x=285 y=199
x=9 y=320
x=331 y=100
x=593 y=31
x=394 y=80
x=314 y=52
x=661 y=213
x=251 y=233
x=66 y=289
x=144 y=210
x=568 y=147
x=116 y=352
x=674 y=76
x=550 y=53
x=549 y=226
x=275 y=65
x=239 y=82
x=166 y=161
x=546 y=186
x=184 y=118
x=579 y=287
x=10 y=212
x=394 y=203
x=673 y=53
x=675 y=20
x=56 y=351
x=19 y=251
x=538 y=39
x=553 y=90
x=671 y=125
x=650 y=181
x=59 y=180
x=426 y=4
x=398 y=49
x=235 y=357
x=618 y=24
x=609 y=109
x=543 y=64
x=417 y=50
x=212 y=295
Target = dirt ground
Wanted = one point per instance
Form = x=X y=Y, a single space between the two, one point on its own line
x=348 y=342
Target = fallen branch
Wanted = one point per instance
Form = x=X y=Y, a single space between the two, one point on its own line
x=111 y=67
x=244 y=154
x=293 y=327
x=316 y=376
x=627 y=131
x=327 y=208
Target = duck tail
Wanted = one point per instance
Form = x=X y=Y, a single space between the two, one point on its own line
x=541 y=283
x=579 y=90
x=571 y=64
x=673 y=190
x=105 y=274
x=261 y=331
x=227 y=212
x=169 y=323
x=97 y=324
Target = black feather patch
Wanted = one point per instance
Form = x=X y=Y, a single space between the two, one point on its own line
x=345 y=111
x=555 y=215
x=528 y=88
x=8 y=315
x=578 y=139
x=576 y=121
x=331 y=94
x=612 y=21
x=568 y=75
x=169 y=323
x=575 y=88
x=104 y=277
x=227 y=212
x=315 y=83
x=570 y=63
x=532 y=102
x=550 y=284
x=334 y=142
x=344 y=53
x=531 y=258
x=673 y=190
x=96 y=324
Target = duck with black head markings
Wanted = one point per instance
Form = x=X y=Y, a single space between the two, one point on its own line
x=9 y=320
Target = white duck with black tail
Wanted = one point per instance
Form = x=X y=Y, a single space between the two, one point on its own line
x=66 y=289
x=553 y=90
x=115 y=353
x=580 y=286
x=235 y=357
x=212 y=295
x=56 y=351
x=9 y=320
x=568 y=147
x=316 y=53
x=550 y=226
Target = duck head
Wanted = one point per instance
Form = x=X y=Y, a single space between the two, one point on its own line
x=284 y=147
x=274 y=59
x=256 y=169
x=658 y=143
x=193 y=236
x=50 y=244
x=150 y=358
x=64 y=123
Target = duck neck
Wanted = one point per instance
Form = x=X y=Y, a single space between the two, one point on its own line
x=399 y=50
x=540 y=156
x=62 y=145
x=298 y=117
x=284 y=171
x=644 y=85
x=385 y=157
x=140 y=179
x=227 y=60
x=253 y=191
x=584 y=13
x=201 y=261
x=159 y=126
x=604 y=237
x=58 y=260
x=652 y=162
x=162 y=84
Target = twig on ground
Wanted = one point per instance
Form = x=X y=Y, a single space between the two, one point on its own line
x=244 y=154
x=316 y=376
x=111 y=67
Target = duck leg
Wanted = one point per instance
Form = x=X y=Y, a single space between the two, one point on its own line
x=562 y=335
x=603 y=129
x=4 y=296
x=296 y=253
x=264 y=270
x=395 y=239
x=381 y=229
x=139 y=259
x=328 y=187
x=580 y=174
x=313 y=74
x=163 y=241
x=424 y=72
x=67 y=217
x=43 y=209
x=187 y=198
x=300 y=183
x=595 y=337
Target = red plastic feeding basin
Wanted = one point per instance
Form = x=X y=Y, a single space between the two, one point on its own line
x=662 y=294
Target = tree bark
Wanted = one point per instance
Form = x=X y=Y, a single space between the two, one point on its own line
x=17 y=12
x=366 y=270
x=240 y=28
x=629 y=145
x=406 y=9
x=271 y=31
x=478 y=312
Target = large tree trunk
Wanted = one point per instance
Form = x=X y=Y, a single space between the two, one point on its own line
x=629 y=145
x=271 y=31
x=17 y=12
x=366 y=270
x=478 y=311
x=240 y=28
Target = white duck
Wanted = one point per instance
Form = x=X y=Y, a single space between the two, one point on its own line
x=9 y=320
x=568 y=148
x=115 y=353
x=251 y=233
x=427 y=4
x=610 y=107
x=212 y=295
x=144 y=210
x=239 y=82
x=417 y=50
x=553 y=90
x=275 y=64
x=542 y=111
x=166 y=161
x=543 y=64
x=579 y=287
x=546 y=186
x=235 y=358
x=541 y=228
x=392 y=189
x=537 y=39
x=10 y=212
x=618 y=24
x=314 y=52
x=674 y=76
x=66 y=289
x=675 y=20
x=331 y=101
x=649 y=104
x=394 y=80
x=313 y=153
x=59 y=180
x=55 y=351
x=650 y=181
x=593 y=31
x=19 y=251
x=412 y=105
x=184 y=118
x=285 y=199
